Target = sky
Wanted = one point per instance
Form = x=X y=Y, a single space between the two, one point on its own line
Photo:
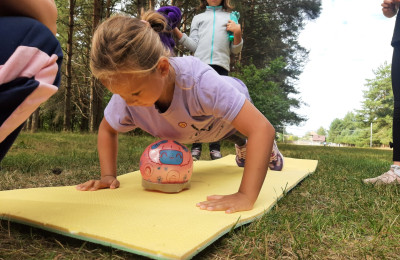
x=346 y=43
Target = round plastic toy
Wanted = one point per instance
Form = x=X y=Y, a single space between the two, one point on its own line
x=166 y=166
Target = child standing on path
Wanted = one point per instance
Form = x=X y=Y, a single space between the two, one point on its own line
x=390 y=8
x=210 y=43
x=30 y=61
x=174 y=98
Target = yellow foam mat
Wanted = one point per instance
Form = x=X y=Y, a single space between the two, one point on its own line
x=152 y=224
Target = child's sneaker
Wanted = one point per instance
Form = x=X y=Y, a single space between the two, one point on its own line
x=276 y=161
x=240 y=154
x=215 y=154
x=196 y=153
x=388 y=177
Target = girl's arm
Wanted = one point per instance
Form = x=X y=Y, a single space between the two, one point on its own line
x=191 y=41
x=107 y=145
x=237 y=31
x=45 y=11
x=237 y=44
x=260 y=134
x=178 y=34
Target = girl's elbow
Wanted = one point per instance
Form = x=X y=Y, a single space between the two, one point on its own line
x=269 y=128
x=272 y=130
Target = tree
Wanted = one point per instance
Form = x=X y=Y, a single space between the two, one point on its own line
x=268 y=95
x=68 y=74
x=321 y=131
x=378 y=104
x=271 y=51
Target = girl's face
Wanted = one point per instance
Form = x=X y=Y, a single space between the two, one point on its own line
x=145 y=91
x=214 y=2
x=136 y=90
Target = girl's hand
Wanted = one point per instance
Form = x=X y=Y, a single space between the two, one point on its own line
x=229 y=203
x=108 y=181
x=233 y=27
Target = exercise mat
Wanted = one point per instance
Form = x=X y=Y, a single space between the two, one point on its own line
x=152 y=224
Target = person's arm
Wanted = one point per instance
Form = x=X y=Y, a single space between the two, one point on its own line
x=390 y=7
x=45 y=11
x=191 y=41
x=107 y=146
x=260 y=134
x=178 y=34
x=236 y=29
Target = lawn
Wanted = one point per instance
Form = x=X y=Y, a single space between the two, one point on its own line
x=330 y=215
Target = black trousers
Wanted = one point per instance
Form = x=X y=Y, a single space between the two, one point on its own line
x=396 y=94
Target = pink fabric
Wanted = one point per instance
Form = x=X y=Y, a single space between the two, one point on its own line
x=28 y=62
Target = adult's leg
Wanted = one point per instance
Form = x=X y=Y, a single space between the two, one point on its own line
x=6 y=144
x=29 y=50
x=393 y=175
x=396 y=111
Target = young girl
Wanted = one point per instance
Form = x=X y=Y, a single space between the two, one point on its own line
x=209 y=41
x=182 y=99
x=30 y=61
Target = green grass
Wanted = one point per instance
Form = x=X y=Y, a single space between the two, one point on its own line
x=330 y=215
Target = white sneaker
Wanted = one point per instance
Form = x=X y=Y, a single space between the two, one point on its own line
x=388 y=177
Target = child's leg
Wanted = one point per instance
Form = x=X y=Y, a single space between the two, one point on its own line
x=196 y=151
x=215 y=150
x=30 y=60
x=237 y=138
x=240 y=146
x=276 y=160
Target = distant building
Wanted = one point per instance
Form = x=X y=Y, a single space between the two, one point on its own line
x=318 y=139
x=313 y=139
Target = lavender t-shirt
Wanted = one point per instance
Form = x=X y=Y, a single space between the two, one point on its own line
x=202 y=109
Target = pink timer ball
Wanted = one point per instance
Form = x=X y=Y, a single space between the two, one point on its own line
x=166 y=166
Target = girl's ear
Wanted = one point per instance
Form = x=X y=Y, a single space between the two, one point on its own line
x=163 y=66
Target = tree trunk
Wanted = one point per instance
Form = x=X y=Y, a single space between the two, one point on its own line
x=108 y=8
x=152 y=4
x=141 y=5
x=35 y=120
x=68 y=87
x=96 y=96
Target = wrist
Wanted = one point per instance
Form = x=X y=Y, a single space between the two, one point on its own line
x=108 y=175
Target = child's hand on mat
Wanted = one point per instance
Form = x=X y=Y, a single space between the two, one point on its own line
x=108 y=181
x=230 y=203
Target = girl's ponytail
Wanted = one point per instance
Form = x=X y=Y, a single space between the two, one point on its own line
x=156 y=21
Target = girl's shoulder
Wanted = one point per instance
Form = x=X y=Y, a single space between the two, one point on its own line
x=188 y=65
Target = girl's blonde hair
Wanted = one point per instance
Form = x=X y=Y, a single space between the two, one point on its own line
x=226 y=5
x=123 y=44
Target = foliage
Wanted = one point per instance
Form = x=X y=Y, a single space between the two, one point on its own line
x=270 y=31
x=268 y=95
x=377 y=109
x=321 y=131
